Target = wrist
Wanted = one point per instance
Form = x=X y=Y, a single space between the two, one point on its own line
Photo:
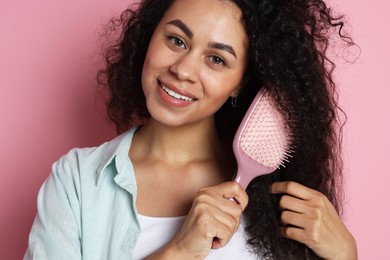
x=349 y=252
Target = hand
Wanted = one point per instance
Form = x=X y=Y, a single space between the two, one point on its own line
x=211 y=222
x=308 y=217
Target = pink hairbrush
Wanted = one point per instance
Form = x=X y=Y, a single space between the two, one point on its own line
x=262 y=141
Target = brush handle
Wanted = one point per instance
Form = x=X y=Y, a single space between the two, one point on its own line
x=246 y=175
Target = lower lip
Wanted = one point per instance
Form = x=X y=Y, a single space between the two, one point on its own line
x=171 y=100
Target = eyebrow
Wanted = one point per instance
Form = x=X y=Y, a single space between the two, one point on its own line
x=223 y=47
x=182 y=26
x=214 y=45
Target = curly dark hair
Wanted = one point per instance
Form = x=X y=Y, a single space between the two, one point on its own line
x=288 y=42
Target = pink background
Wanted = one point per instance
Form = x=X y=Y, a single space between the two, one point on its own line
x=48 y=61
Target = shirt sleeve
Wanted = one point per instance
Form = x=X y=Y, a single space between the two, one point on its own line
x=55 y=233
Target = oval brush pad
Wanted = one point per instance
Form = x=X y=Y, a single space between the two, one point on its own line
x=262 y=141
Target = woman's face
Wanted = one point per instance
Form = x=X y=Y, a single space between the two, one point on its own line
x=195 y=61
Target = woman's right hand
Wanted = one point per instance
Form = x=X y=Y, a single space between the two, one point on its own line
x=213 y=219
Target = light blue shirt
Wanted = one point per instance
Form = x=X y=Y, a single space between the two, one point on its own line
x=87 y=210
x=86 y=207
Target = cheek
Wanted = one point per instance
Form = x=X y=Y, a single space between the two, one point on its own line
x=221 y=85
x=149 y=63
x=153 y=63
x=158 y=55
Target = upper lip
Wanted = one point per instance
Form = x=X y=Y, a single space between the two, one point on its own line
x=177 y=90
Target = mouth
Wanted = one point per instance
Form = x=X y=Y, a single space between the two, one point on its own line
x=175 y=95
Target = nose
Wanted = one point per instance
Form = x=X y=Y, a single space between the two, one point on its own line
x=186 y=67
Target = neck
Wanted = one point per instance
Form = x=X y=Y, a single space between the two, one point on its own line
x=178 y=145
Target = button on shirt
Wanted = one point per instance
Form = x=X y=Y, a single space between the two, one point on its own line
x=86 y=207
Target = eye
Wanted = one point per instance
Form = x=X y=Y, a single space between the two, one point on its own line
x=177 y=42
x=218 y=61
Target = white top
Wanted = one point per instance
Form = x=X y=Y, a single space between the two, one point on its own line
x=156 y=232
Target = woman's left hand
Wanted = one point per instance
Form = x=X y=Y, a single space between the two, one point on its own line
x=308 y=217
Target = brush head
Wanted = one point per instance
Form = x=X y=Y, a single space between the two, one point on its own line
x=262 y=142
x=266 y=136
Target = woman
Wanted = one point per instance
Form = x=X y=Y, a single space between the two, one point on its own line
x=162 y=189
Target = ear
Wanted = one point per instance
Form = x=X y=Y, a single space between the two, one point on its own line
x=235 y=92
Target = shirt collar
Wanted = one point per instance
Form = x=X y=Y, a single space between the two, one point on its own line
x=116 y=151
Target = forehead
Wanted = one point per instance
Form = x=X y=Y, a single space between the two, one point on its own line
x=220 y=11
x=217 y=19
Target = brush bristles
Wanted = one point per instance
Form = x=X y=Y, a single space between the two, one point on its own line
x=266 y=137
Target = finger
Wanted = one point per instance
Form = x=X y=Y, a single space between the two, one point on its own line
x=232 y=208
x=293 y=218
x=235 y=190
x=293 y=188
x=228 y=190
x=209 y=222
x=230 y=221
x=288 y=202
x=294 y=233
x=312 y=239
x=229 y=206
x=218 y=233
x=222 y=237
x=213 y=197
x=209 y=205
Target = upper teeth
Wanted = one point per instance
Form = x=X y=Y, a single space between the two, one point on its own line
x=175 y=95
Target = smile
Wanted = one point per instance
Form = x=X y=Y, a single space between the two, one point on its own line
x=175 y=95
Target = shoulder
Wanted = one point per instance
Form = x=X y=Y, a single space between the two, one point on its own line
x=75 y=167
x=78 y=159
x=89 y=161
